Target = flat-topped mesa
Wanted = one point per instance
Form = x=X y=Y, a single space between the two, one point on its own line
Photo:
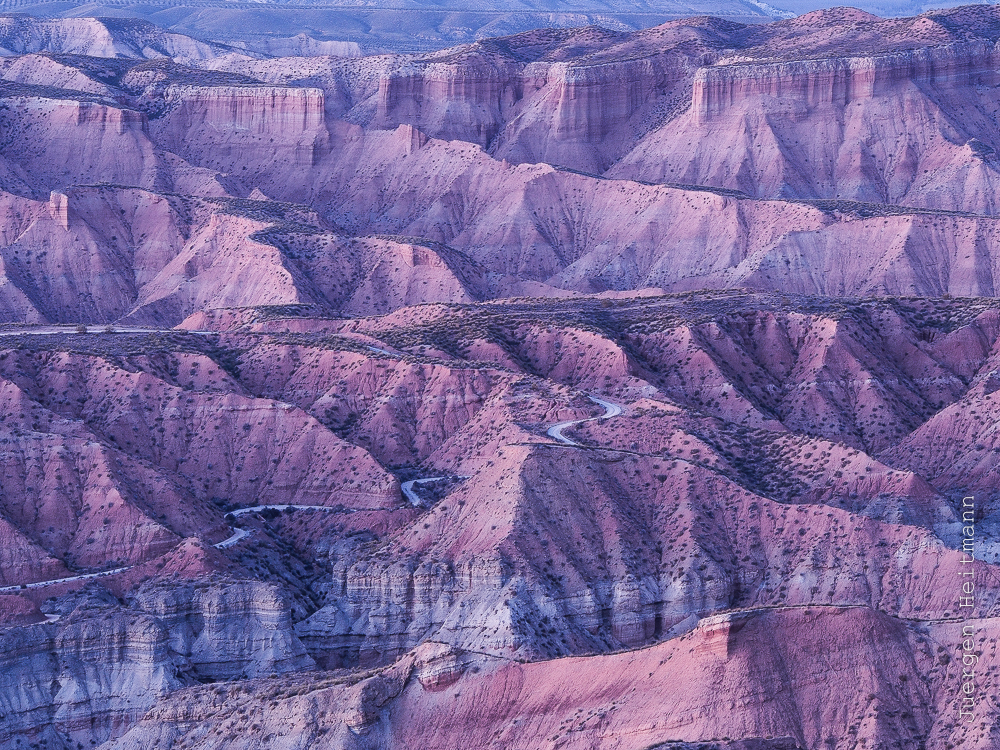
x=540 y=111
x=55 y=112
x=448 y=101
x=592 y=101
x=252 y=109
x=839 y=81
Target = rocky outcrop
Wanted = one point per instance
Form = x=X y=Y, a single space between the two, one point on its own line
x=805 y=128
x=673 y=696
x=839 y=82
x=83 y=680
x=232 y=129
x=285 y=112
x=377 y=613
x=82 y=139
x=226 y=631
x=521 y=561
x=463 y=101
x=582 y=115
x=587 y=115
x=98 y=666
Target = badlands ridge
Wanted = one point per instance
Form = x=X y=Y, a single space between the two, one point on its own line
x=571 y=389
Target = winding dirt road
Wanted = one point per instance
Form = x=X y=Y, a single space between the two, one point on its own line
x=610 y=410
x=238 y=535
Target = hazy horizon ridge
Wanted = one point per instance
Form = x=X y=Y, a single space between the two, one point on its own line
x=410 y=25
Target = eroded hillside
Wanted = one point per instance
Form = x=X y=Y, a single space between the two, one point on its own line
x=577 y=388
x=754 y=456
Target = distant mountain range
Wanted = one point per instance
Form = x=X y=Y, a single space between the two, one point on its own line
x=396 y=25
x=423 y=25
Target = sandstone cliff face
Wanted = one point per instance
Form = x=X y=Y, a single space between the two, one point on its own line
x=637 y=105
x=248 y=112
x=227 y=631
x=840 y=82
x=81 y=139
x=462 y=101
x=530 y=569
x=258 y=110
x=803 y=128
x=99 y=667
x=83 y=680
x=588 y=116
x=251 y=126
x=527 y=103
